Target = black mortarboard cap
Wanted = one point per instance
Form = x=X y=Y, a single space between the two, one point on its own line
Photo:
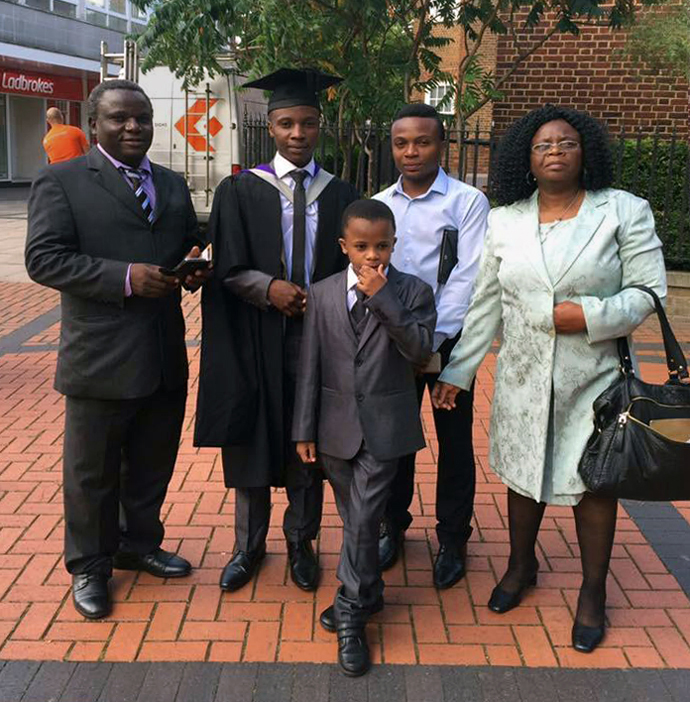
x=292 y=87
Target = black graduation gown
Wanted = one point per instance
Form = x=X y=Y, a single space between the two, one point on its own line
x=240 y=400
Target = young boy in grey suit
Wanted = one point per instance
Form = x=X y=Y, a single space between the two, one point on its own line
x=366 y=329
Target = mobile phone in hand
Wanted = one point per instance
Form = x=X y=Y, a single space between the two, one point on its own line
x=187 y=266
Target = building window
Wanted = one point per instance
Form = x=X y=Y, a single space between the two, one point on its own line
x=66 y=9
x=441 y=98
x=119 y=7
x=38 y=4
x=95 y=17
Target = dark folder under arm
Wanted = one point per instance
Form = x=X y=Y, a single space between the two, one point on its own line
x=449 y=254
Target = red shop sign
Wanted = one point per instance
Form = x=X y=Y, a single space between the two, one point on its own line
x=36 y=85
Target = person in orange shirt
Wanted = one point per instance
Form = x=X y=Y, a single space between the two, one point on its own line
x=63 y=142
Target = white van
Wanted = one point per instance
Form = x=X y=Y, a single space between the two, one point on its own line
x=198 y=132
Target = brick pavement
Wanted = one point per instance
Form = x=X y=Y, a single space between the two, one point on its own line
x=272 y=620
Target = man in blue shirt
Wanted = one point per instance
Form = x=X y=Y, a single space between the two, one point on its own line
x=440 y=224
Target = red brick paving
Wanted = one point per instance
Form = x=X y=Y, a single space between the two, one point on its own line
x=271 y=619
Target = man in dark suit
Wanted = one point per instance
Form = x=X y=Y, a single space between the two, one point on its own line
x=101 y=227
x=364 y=332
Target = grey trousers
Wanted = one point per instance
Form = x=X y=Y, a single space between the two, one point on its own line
x=361 y=486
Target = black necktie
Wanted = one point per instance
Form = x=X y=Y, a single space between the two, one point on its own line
x=299 y=228
x=136 y=179
x=358 y=311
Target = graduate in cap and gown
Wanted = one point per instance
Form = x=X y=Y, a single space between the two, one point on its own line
x=275 y=231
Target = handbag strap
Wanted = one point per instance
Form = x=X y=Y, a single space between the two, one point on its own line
x=675 y=358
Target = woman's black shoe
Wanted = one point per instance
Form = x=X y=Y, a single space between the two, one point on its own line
x=502 y=601
x=586 y=638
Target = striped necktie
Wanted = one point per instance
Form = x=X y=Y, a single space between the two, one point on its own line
x=136 y=178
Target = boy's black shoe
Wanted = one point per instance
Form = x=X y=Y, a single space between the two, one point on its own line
x=449 y=566
x=353 y=649
x=91 y=595
x=390 y=544
x=304 y=568
x=241 y=568
x=327 y=618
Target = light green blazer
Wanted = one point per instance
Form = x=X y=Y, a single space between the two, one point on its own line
x=614 y=245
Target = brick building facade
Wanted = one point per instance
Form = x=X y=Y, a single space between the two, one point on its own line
x=591 y=73
x=588 y=72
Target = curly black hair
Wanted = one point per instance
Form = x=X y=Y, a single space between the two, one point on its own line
x=512 y=182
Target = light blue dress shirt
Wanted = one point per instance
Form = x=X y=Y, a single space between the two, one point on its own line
x=282 y=168
x=420 y=221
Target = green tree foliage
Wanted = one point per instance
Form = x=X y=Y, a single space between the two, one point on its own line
x=661 y=39
x=386 y=50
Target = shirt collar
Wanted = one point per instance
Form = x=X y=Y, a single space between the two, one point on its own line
x=282 y=166
x=145 y=164
x=440 y=185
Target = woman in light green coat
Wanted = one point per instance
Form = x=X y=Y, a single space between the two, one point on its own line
x=557 y=256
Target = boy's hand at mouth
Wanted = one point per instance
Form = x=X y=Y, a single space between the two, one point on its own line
x=371 y=280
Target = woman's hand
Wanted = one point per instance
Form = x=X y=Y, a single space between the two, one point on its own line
x=443 y=395
x=569 y=318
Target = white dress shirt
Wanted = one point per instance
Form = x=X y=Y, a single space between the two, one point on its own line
x=282 y=168
x=420 y=221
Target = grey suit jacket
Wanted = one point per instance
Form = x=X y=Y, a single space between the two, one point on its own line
x=85 y=227
x=349 y=391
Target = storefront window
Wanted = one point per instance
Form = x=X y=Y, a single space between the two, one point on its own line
x=4 y=172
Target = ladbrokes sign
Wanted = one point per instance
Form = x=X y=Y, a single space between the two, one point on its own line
x=46 y=86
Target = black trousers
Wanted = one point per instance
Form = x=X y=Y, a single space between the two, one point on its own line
x=455 y=483
x=119 y=457
x=304 y=485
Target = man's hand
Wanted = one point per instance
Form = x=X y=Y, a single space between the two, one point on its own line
x=569 y=318
x=371 y=280
x=195 y=281
x=287 y=297
x=306 y=450
x=443 y=395
x=148 y=281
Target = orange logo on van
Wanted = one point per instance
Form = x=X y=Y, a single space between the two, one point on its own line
x=186 y=125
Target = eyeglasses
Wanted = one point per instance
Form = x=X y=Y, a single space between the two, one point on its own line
x=545 y=146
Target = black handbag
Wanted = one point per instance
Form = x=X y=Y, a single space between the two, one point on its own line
x=640 y=447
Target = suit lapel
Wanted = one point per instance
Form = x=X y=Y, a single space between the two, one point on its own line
x=110 y=179
x=589 y=220
x=339 y=291
x=526 y=221
x=395 y=279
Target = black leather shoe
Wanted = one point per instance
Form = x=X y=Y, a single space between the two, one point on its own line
x=449 y=566
x=586 y=638
x=160 y=563
x=390 y=544
x=91 y=595
x=304 y=568
x=502 y=601
x=353 y=649
x=241 y=569
x=327 y=618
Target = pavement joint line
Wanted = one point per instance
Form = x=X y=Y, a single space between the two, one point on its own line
x=13 y=342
